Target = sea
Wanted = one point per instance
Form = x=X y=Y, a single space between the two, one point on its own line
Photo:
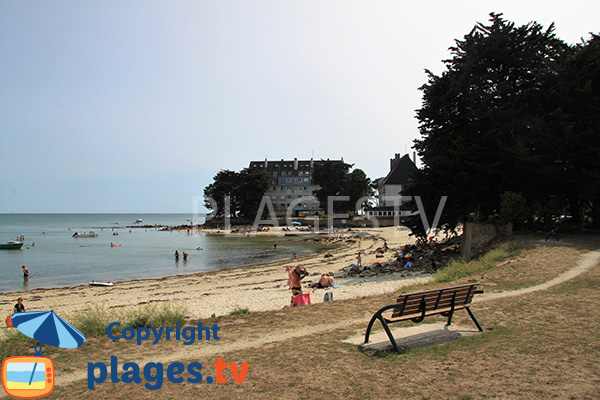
x=55 y=258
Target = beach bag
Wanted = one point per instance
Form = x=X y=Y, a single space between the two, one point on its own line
x=328 y=296
x=301 y=299
x=9 y=323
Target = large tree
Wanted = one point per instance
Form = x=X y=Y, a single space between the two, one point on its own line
x=335 y=179
x=245 y=190
x=484 y=122
x=575 y=123
x=224 y=184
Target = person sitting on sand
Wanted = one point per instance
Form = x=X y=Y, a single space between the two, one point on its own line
x=400 y=262
x=19 y=307
x=296 y=277
x=325 y=282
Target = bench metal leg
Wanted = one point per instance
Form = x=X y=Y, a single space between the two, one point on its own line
x=450 y=314
x=371 y=322
x=474 y=319
x=387 y=331
x=390 y=336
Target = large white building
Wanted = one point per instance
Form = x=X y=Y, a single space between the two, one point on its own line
x=291 y=185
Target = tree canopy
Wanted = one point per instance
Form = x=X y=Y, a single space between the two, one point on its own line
x=245 y=190
x=516 y=110
x=335 y=179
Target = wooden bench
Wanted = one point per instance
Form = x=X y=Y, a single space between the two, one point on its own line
x=418 y=305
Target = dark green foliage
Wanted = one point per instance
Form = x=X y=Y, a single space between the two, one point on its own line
x=336 y=180
x=513 y=208
x=515 y=111
x=245 y=190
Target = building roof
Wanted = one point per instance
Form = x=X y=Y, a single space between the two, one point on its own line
x=400 y=172
x=288 y=165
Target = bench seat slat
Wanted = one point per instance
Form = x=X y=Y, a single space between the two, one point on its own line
x=442 y=298
x=427 y=313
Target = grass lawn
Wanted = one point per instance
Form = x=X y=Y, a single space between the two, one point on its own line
x=540 y=345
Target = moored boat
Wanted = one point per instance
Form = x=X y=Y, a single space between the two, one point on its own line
x=11 y=245
x=91 y=234
x=94 y=283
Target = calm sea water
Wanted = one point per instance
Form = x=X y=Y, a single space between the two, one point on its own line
x=58 y=259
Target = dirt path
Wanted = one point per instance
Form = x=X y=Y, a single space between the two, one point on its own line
x=586 y=262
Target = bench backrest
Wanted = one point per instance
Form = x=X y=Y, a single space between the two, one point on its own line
x=436 y=299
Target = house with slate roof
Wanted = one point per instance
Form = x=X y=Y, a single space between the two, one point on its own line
x=391 y=186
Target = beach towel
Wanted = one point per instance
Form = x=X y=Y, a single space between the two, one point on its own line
x=301 y=299
x=8 y=321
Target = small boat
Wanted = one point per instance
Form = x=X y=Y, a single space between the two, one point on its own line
x=138 y=221
x=94 y=283
x=11 y=245
x=115 y=245
x=91 y=234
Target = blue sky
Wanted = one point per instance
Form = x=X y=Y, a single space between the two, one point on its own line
x=133 y=106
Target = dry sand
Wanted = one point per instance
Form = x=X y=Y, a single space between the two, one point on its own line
x=256 y=288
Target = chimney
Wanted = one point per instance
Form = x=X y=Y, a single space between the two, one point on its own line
x=266 y=162
x=312 y=164
x=295 y=164
x=415 y=157
x=394 y=161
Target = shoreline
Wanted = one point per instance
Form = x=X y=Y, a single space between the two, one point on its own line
x=256 y=287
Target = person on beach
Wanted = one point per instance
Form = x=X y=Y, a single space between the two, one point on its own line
x=19 y=307
x=275 y=244
x=400 y=262
x=358 y=260
x=25 y=272
x=295 y=283
x=325 y=282
x=294 y=257
x=176 y=255
x=185 y=256
x=553 y=233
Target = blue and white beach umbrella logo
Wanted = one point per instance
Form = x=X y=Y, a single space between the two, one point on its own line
x=48 y=328
x=29 y=377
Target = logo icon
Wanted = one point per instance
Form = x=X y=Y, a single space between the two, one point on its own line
x=30 y=377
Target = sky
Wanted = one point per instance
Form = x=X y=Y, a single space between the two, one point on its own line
x=120 y=106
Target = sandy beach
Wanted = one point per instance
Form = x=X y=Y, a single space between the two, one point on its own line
x=256 y=287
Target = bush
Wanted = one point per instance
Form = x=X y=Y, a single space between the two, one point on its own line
x=513 y=208
x=461 y=268
x=95 y=320
x=239 y=311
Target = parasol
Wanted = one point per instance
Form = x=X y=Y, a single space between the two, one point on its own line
x=48 y=328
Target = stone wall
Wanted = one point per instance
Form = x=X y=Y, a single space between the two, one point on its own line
x=477 y=237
